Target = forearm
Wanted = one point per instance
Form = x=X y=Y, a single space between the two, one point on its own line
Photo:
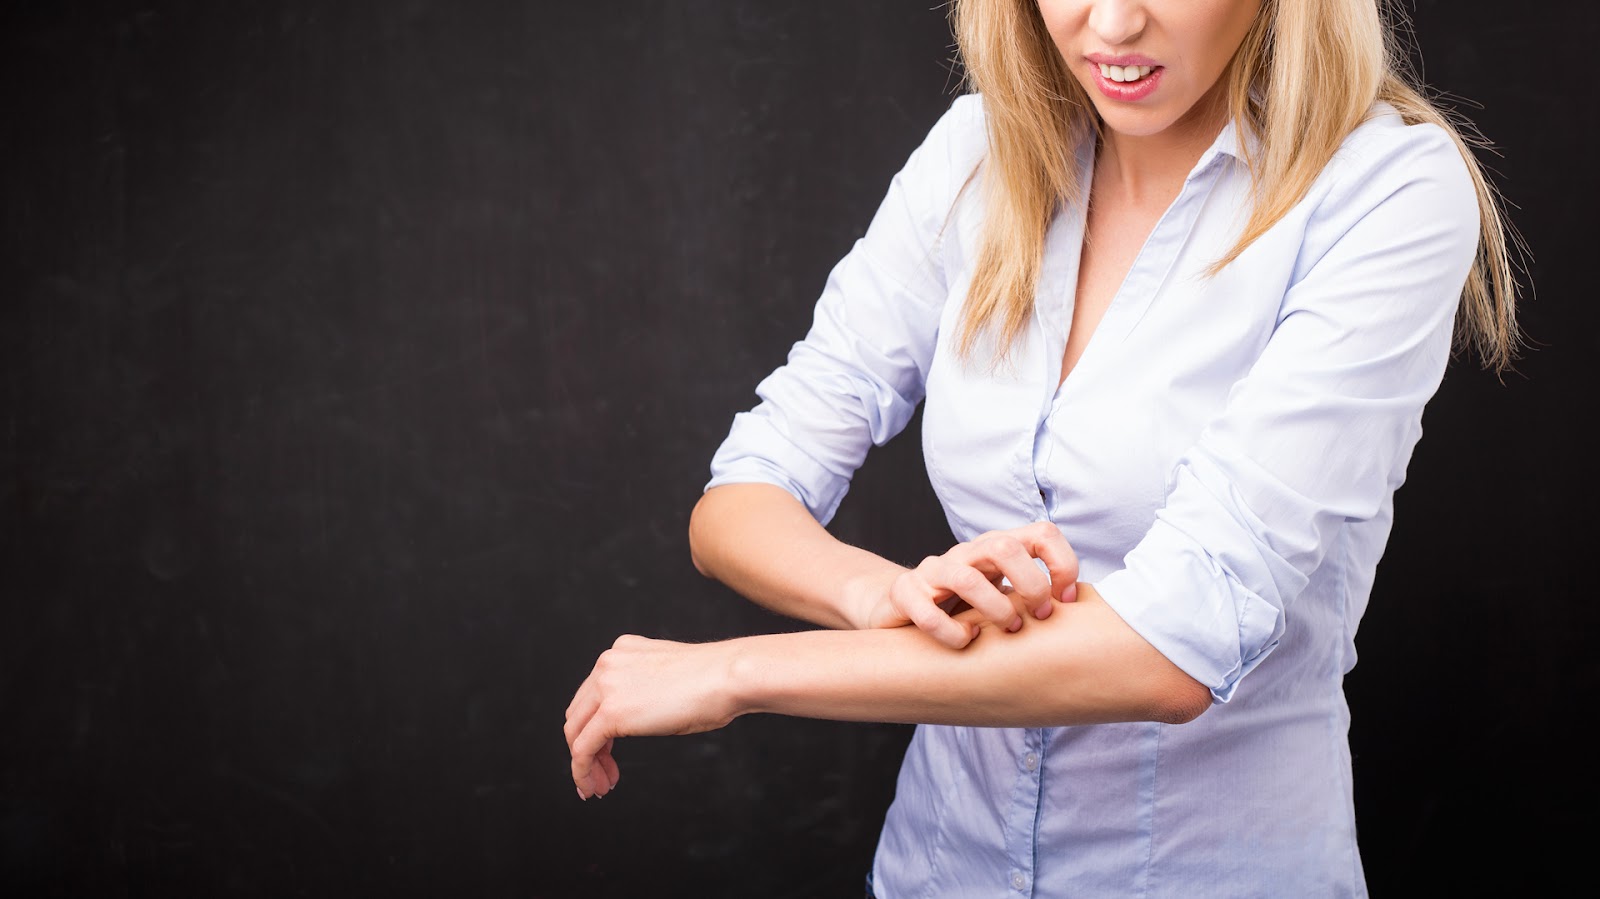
x=760 y=541
x=1081 y=665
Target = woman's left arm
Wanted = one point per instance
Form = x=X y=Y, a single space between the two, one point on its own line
x=1317 y=435
x=1081 y=665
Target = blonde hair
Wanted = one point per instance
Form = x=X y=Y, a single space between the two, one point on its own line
x=1305 y=75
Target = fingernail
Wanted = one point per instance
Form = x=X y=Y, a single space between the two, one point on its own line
x=1044 y=609
x=1015 y=625
x=975 y=630
x=1070 y=594
x=580 y=794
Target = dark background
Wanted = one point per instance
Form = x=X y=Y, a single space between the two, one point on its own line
x=362 y=362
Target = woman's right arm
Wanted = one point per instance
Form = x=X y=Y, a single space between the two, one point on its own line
x=762 y=542
x=853 y=382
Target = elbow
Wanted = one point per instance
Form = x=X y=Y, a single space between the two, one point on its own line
x=1179 y=699
x=697 y=538
x=1158 y=690
x=699 y=565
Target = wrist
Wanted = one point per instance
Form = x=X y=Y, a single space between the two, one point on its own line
x=743 y=673
x=863 y=594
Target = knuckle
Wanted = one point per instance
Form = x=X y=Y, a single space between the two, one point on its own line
x=1006 y=545
x=1035 y=579
x=967 y=579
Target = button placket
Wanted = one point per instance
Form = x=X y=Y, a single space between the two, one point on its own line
x=1023 y=839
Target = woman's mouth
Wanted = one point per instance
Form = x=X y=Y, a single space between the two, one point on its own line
x=1124 y=74
x=1126 y=82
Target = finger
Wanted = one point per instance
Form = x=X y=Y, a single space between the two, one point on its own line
x=955 y=584
x=974 y=586
x=922 y=611
x=954 y=605
x=599 y=783
x=589 y=776
x=576 y=697
x=586 y=696
x=1047 y=543
x=609 y=763
x=580 y=710
x=1030 y=584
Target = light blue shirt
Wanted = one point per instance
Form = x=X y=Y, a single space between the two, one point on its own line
x=1223 y=458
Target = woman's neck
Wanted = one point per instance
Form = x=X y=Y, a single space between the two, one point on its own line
x=1149 y=169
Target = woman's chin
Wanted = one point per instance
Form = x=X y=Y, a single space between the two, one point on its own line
x=1127 y=122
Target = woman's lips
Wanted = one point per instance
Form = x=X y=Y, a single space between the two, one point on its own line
x=1134 y=80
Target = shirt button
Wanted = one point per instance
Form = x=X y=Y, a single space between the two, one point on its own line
x=1031 y=760
x=1017 y=880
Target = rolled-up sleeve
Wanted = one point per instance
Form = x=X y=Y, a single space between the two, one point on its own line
x=859 y=373
x=1321 y=429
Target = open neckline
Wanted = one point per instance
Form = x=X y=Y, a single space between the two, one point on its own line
x=1116 y=303
x=1119 y=306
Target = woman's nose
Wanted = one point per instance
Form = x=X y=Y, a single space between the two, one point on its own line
x=1117 y=22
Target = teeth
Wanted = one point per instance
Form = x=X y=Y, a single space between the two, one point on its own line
x=1124 y=73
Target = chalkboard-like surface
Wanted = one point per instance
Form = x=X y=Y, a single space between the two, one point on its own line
x=362 y=361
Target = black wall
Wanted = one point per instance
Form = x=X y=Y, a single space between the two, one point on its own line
x=362 y=362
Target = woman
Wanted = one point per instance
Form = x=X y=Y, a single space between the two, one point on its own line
x=1176 y=281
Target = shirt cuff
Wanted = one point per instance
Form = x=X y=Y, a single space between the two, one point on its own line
x=1192 y=610
x=757 y=452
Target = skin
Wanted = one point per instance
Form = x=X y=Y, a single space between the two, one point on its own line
x=1148 y=146
x=1081 y=665
x=1152 y=140
x=1008 y=644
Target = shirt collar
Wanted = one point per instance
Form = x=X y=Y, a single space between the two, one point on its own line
x=1236 y=141
x=1232 y=141
x=1227 y=141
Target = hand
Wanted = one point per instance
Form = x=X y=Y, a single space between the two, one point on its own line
x=644 y=687
x=971 y=573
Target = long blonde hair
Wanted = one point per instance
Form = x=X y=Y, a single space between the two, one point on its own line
x=1303 y=78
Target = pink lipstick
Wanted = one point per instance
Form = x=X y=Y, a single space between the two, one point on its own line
x=1124 y=77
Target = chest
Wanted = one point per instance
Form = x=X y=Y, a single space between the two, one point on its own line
x=1115 y=230
x=1155 y=346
